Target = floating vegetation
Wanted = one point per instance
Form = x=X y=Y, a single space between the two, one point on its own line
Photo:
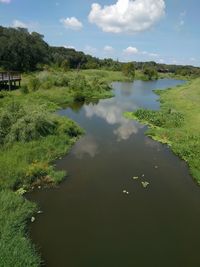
x=39 y=212
x=145 y=184
x=32 y=219
x=125 y=192
x=135 y=177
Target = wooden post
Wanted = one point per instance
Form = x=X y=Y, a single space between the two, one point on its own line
x=9 y=81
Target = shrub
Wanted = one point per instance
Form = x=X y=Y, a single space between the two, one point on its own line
x=18 y=123
x=34 y=84
x=24 y=89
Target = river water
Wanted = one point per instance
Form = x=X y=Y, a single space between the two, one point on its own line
x=89 y=222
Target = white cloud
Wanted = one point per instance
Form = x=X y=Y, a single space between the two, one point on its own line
x=69 y=46
x=181 y=20
x=161 y=60
x=72 y=23
x=135 y=51
x=131 y=50
x=90 y=50
x=130 y=16
x=5 y=1
x=19 y=24
x=31 y=26
x=108 y=49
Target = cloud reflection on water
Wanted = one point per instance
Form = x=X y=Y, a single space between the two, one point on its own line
x=86 y=145
x=112 y=112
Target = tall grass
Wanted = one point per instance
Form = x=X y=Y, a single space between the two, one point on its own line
x=15 y=247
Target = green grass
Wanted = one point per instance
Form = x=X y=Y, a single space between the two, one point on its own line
x=15 y=246
x=109 y=76
x=26 y=164
x=177 y=123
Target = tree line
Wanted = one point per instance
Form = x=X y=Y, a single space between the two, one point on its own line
x=21 y=50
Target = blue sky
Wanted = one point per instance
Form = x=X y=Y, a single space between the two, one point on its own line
x=160 y=30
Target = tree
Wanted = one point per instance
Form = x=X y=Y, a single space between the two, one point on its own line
x=21 y=50
x=129 y=69
x=65 y=65
x=150 y=73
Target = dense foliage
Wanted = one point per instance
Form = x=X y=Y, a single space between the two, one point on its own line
x=151 y=73
x=168 y=119
x=129 y=69
x=21 y=50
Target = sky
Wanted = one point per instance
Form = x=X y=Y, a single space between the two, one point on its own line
x=165 y=31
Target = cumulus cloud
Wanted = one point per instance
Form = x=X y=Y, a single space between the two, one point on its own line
x=130 y=16
x=19 y=24
x=90 y=50
x=5 y=1
x=108 y=48
x=72 y=23
x=69 y=46
x=181 y=20
x=135 y=51
x=131 y=50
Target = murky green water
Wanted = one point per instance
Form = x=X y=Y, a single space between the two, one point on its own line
x=89 y=222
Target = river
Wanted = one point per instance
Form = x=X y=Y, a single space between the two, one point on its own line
x=89 y=222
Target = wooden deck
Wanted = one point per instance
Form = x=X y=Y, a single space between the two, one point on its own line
x=10 y=79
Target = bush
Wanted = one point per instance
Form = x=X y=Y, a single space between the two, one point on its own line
x=34 y=84
x=24 y=89
x=79 y=83
x=23 y=124
x=3 y=94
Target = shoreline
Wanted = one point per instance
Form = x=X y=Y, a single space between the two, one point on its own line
x=177 y=105
x=36 y=167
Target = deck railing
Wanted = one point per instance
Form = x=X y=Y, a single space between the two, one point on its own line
x=10 y=76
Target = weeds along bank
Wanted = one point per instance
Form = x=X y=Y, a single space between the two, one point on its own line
x=32 y=136
x=177 y=123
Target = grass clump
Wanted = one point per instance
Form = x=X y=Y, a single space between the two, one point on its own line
x=177 y=123
x=16 y=248
x=28 y=134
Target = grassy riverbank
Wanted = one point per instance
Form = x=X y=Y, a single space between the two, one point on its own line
x=177 y=123
x=31 y=138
